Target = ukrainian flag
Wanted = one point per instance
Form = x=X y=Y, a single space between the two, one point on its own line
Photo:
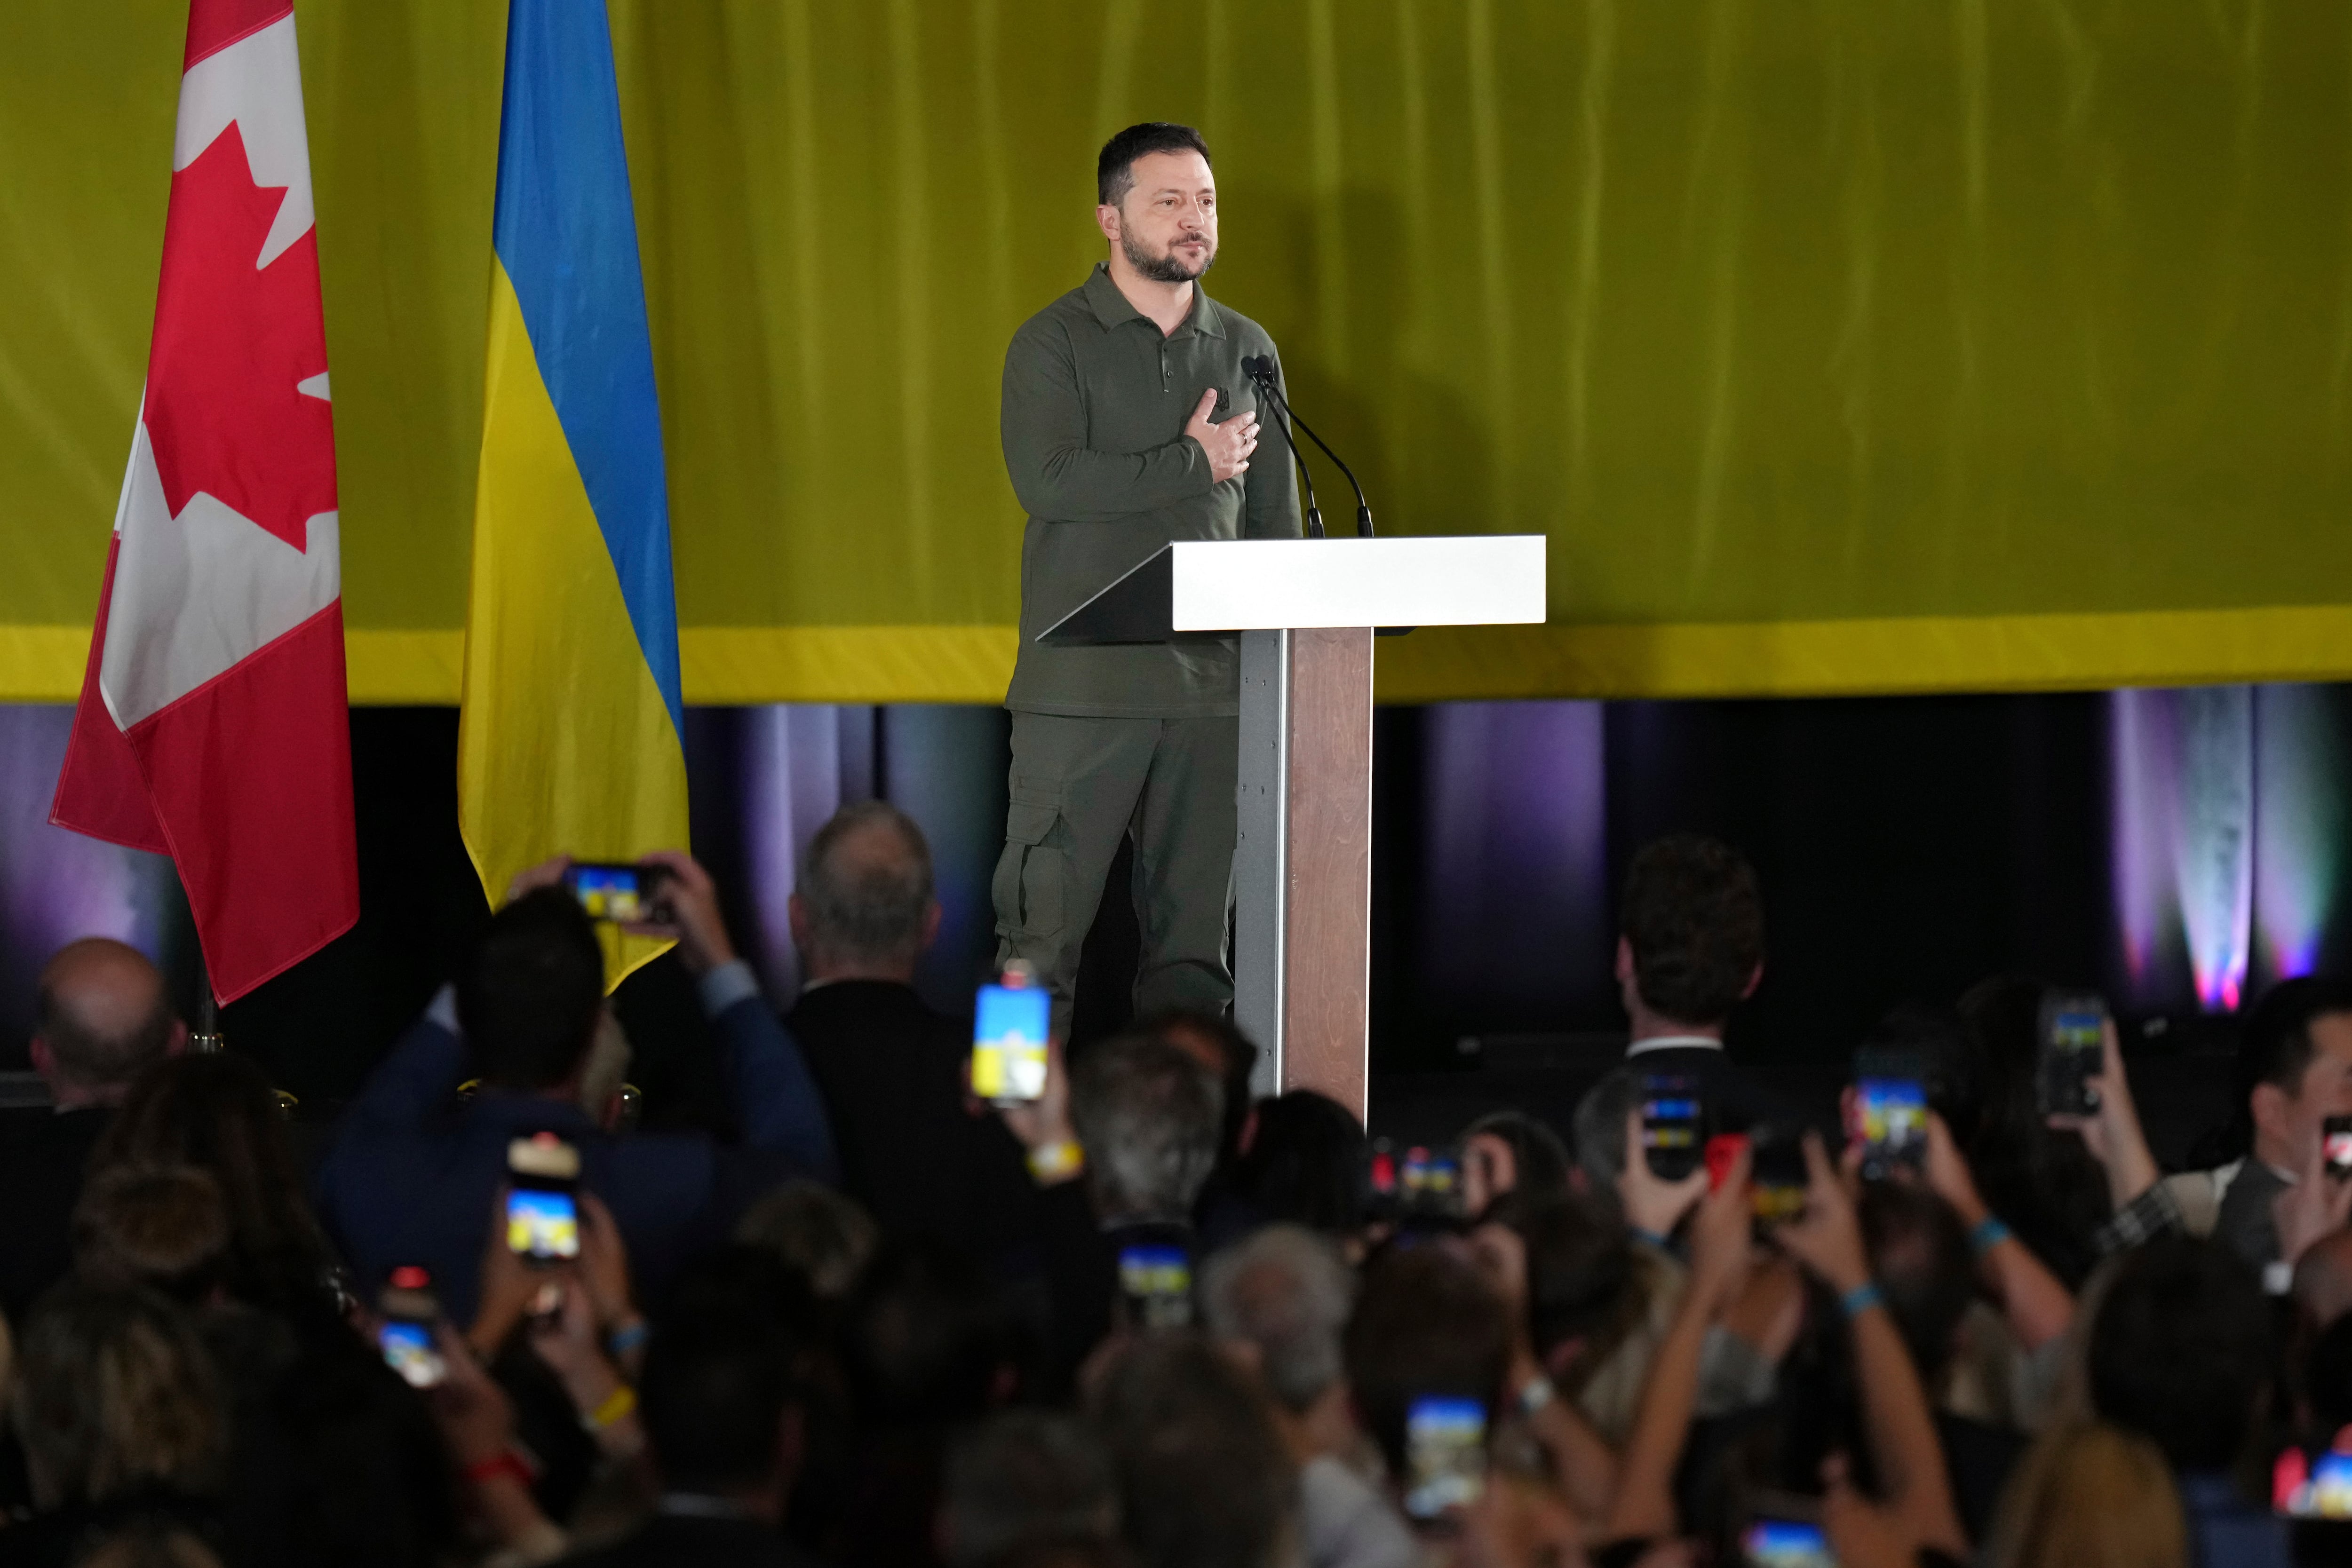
x=569 y=738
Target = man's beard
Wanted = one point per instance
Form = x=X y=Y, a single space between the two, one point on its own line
x=1164 y=268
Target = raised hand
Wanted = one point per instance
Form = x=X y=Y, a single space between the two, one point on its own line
x=1652 y=1204
x=1229 y=445
x=1827 y=1239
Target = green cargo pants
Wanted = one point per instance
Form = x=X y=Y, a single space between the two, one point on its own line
x=1078 y=786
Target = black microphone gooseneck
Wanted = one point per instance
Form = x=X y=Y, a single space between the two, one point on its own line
x=1263 y=374
x=1261 y=371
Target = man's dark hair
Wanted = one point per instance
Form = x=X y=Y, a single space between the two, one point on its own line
x=1919 y=1255
x=1695 y=920
x=1236 y=1060
x=929 y=1342
x=2274 y=1044
x=2180 y=1351
x=1426 y=1325
x=1306 y=1163
x=1203 y=1470
x=862 y=905
x=530 y=991
x=1149 y=1118
x=718 y=1379
x=1024 y=1477
x=1115 y=167
x=1581 y=1278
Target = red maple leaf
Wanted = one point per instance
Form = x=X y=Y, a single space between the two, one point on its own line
x=232 y=340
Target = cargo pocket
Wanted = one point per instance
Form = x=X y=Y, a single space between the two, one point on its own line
x=1027 y=889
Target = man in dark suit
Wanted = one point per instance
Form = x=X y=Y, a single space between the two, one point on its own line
x=104 y=1020
x=413 y=1175
x=723 y=1418
x=1690 y=949
x=892 y=1069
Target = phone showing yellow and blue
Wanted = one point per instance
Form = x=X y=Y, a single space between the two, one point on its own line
x=1010 y=1025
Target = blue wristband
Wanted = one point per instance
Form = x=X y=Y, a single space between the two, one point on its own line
x=627 y=1337
x=1859 y=1299
x=1987 y=1234
x=1662 y=1243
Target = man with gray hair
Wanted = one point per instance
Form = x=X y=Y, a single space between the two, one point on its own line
x=1281 y=1298
x=105 y=1018
x=889 y=1066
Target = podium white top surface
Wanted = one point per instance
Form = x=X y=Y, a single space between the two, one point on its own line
x=1250 y=585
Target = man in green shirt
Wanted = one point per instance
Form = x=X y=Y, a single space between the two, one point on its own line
x=1128 y=424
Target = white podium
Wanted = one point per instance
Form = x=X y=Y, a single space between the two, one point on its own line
x=1306 y=611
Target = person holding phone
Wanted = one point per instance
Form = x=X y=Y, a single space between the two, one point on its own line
x=406 y=1182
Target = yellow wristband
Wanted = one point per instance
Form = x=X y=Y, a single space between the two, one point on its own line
x=1054 y=1162
x=618 y=1405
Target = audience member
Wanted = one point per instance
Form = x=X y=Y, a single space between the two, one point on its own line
x=406 y=1182
x=891 y=1069
x=103 y=1019
x=217 y=1112
x=821 y=1235
x=1282 y=1297
x=2180 y=1351
x=1690 y=949
x=163 y=1227
x=1120 y=1155
x=1510 y=1151
x=2089 y=1495
x=1203 y=1476
x=1426 y=1325
x=1305 y=1163
x=1024 y=1480
x=120 y=1415
x=1921 y=1260
x=2293 y=1071
x=723 y=1413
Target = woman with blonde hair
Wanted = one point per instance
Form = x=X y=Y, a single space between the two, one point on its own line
x=2090 y=1495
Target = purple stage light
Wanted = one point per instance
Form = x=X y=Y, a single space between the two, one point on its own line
x=801 y=762
x=2298 y=824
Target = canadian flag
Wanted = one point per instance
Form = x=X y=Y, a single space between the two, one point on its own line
x=212 y=724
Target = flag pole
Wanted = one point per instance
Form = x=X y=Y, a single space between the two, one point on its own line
x=207 y=1037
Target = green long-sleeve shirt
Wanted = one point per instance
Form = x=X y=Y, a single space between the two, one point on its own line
x=1096 y=402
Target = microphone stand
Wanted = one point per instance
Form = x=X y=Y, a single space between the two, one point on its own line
x=1314 y=514
x=1363 y=507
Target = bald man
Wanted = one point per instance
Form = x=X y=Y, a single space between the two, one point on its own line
x=104 y=1020
x=889 y=1066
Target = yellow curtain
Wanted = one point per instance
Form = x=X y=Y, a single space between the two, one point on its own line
x=1837 y=345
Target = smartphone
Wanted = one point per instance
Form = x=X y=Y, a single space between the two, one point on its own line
x=1774 y=1542
x=1155 y=1283
x=2073 y=1045
x=1673 y=1127
x=542 y=1207
x=1890 y=1111
x=1445 y=1455
x=623 y=894
x=2315 y=1486
x=1777 y=1178
x=409 y=1313
x=1429 y=1184
x=1009 y=1027
x=2336 y=1136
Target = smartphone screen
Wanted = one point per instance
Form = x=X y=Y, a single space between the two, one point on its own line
x=1008 y=1043
x=2073 y=1050
x=1445 y=1455
x=408 y=1349
x=2315 y=1486
x=1672 y=1126
x=542 y=1223
x=620 y=893
x=1428 y=1183
x=1893 y=1113
x=1777 y=1178
x=1157 y=1283
x=2335 y=1133
x=1785 y=1543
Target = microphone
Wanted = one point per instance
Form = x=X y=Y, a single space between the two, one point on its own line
x=1259 y=368
x=1261 y=371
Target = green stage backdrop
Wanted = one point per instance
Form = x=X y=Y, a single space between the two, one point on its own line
x=1838 y=345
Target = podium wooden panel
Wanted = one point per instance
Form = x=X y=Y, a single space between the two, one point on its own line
x=1305 y=610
